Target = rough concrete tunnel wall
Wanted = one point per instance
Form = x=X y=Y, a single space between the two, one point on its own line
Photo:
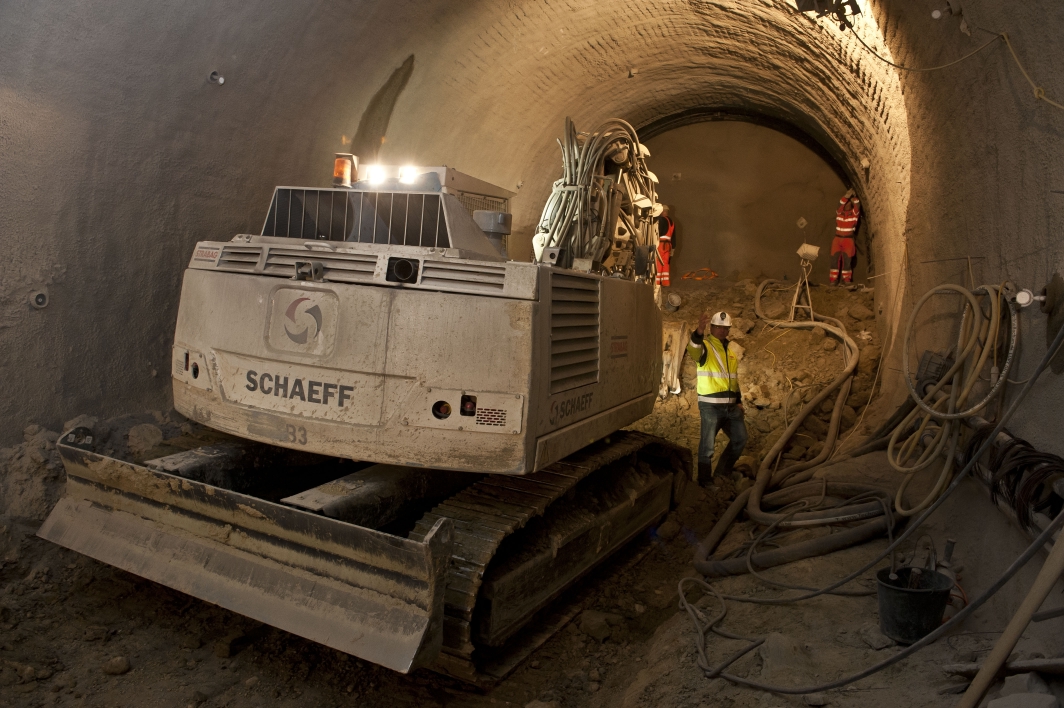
x=737 y=191
x=119 y=154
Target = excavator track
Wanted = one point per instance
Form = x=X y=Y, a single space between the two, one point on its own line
x=491 y=510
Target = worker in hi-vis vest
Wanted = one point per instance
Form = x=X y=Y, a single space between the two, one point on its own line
x=720 y=403
x=843 y=246
x=666 y=228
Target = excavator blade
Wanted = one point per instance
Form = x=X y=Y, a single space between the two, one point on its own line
x=364 y=592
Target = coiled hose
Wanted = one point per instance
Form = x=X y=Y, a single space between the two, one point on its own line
x=940 y=415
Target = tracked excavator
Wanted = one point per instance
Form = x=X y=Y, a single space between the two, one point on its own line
x=423 y=445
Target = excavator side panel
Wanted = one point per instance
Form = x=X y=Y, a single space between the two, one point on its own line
x=361 y=591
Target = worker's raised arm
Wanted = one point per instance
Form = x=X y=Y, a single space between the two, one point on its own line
x=695 y=347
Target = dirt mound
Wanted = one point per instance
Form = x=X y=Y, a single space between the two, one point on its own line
x=780 y=370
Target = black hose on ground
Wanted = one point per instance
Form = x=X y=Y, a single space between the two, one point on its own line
x=719 y=670
x=796 y=551
x=806 y=549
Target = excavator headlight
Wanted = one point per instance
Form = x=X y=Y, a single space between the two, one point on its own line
x=375 y=174
x=408 y=174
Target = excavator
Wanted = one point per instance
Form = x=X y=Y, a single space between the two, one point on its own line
x=420 y=441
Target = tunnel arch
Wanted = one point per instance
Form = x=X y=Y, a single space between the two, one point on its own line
x=521 y=68
x=156 y=157
x=708 y=115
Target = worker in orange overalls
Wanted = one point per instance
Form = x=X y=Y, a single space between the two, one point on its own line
x=843 y=245
x=666 y=228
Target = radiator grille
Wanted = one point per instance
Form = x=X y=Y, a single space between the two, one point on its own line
x=339 y=267
x=243 y=258
x=392 y=218
x=491 y=416
x=574 y=331
x=474 y=202
x=468 y=277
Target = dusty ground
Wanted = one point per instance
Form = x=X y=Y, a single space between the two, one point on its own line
x=76 y=632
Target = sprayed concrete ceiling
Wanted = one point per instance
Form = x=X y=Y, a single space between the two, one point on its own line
x=120 y=154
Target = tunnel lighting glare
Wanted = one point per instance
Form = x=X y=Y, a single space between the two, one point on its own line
x=408 y=174
x=375 y=174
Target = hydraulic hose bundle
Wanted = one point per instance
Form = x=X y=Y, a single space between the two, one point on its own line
x=606 y=197
x=980 y=444
x=867 y=503
x=941 y=408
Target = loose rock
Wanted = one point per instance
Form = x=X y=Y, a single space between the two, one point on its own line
x=144 y=437
x=871 y=636
x=782 y=653
x=860 y=313
x=669 y=529
x=1024 y=683
x=597 y=624
x=116 y=666
x=82 y=421
x=829 y=344
x=815 y=425
x=747 y=465
x=815 y=699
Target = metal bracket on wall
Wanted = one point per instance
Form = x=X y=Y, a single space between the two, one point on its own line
x=1053 y=306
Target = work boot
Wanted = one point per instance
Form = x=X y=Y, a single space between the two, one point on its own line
x=705 y=474
x=833 y=276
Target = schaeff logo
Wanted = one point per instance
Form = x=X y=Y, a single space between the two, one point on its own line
x=560 y=410
x=299 y=321
x=320 y=392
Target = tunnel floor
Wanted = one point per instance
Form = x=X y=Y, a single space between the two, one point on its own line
x=79 y=633
x=65 y=617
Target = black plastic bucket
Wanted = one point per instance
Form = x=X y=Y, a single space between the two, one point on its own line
x=908 y=613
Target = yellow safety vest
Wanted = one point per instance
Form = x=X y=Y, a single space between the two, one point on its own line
x=718 y=370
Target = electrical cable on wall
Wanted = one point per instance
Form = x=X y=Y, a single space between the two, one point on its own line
x=1039 y=92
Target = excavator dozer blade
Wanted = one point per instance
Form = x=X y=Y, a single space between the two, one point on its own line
x=367 y=593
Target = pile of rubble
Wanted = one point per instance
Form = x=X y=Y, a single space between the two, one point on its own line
x=779 y=371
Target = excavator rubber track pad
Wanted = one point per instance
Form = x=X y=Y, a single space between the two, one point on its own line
x=488 y=512
x=370 y=594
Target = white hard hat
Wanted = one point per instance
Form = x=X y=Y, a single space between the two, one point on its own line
x=721 y=319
